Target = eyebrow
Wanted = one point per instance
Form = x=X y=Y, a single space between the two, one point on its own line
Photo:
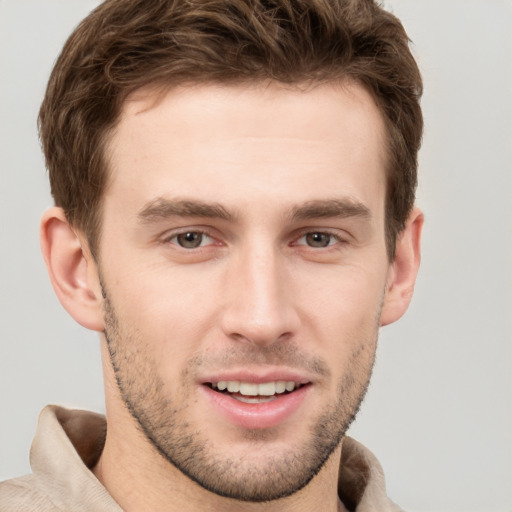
x=330 y=208
x=162 y=208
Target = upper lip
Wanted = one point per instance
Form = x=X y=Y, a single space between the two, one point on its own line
x=257 y=377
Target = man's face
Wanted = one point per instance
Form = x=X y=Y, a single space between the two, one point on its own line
x=244 y=267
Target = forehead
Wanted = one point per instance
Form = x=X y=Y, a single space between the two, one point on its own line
x=223 y=138
x=253 y=109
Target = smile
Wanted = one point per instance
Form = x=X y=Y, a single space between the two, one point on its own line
x=254 y=393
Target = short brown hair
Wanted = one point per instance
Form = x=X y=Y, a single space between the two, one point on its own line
x=124 y=45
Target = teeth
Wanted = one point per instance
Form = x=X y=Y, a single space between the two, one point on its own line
x=290 y=386
x=249 y=389
x=233 y=386
x=252 y=389
x=267 y=389
x=280 y=386
x=255 y=400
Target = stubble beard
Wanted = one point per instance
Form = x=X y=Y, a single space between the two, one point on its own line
x=164 y=422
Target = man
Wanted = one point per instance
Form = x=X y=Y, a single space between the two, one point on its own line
x=234 y=187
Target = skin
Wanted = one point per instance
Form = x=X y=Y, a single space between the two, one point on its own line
x=284 y=189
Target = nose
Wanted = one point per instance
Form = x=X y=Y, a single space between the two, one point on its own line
x=259 y=307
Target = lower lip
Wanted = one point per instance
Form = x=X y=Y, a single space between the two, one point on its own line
x=260 y=415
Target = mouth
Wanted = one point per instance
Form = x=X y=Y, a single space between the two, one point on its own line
x=255 y=393
x=256 y=401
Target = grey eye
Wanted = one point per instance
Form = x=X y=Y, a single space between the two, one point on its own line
x=318 y=239
x=190 y=240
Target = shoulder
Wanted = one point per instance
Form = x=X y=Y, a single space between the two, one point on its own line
x=22 y=495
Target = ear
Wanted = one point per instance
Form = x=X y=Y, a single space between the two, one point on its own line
x=403 y=270
x=72 y=270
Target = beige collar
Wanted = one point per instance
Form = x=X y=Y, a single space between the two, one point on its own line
x=68 y=444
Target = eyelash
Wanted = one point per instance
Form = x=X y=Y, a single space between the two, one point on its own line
x=173 y=239
x=333 y=237
x=201 y=232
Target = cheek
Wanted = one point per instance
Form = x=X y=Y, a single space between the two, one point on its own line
x=343 y=297
x=342 y=316
x=168 y=310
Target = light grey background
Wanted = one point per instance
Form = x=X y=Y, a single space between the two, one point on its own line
x=439 y=411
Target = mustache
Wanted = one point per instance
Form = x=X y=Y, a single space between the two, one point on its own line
x=277 y=354
x=284 y=352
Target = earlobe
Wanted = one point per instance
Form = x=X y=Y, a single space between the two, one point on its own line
x=403 y=270
x=72 y=270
